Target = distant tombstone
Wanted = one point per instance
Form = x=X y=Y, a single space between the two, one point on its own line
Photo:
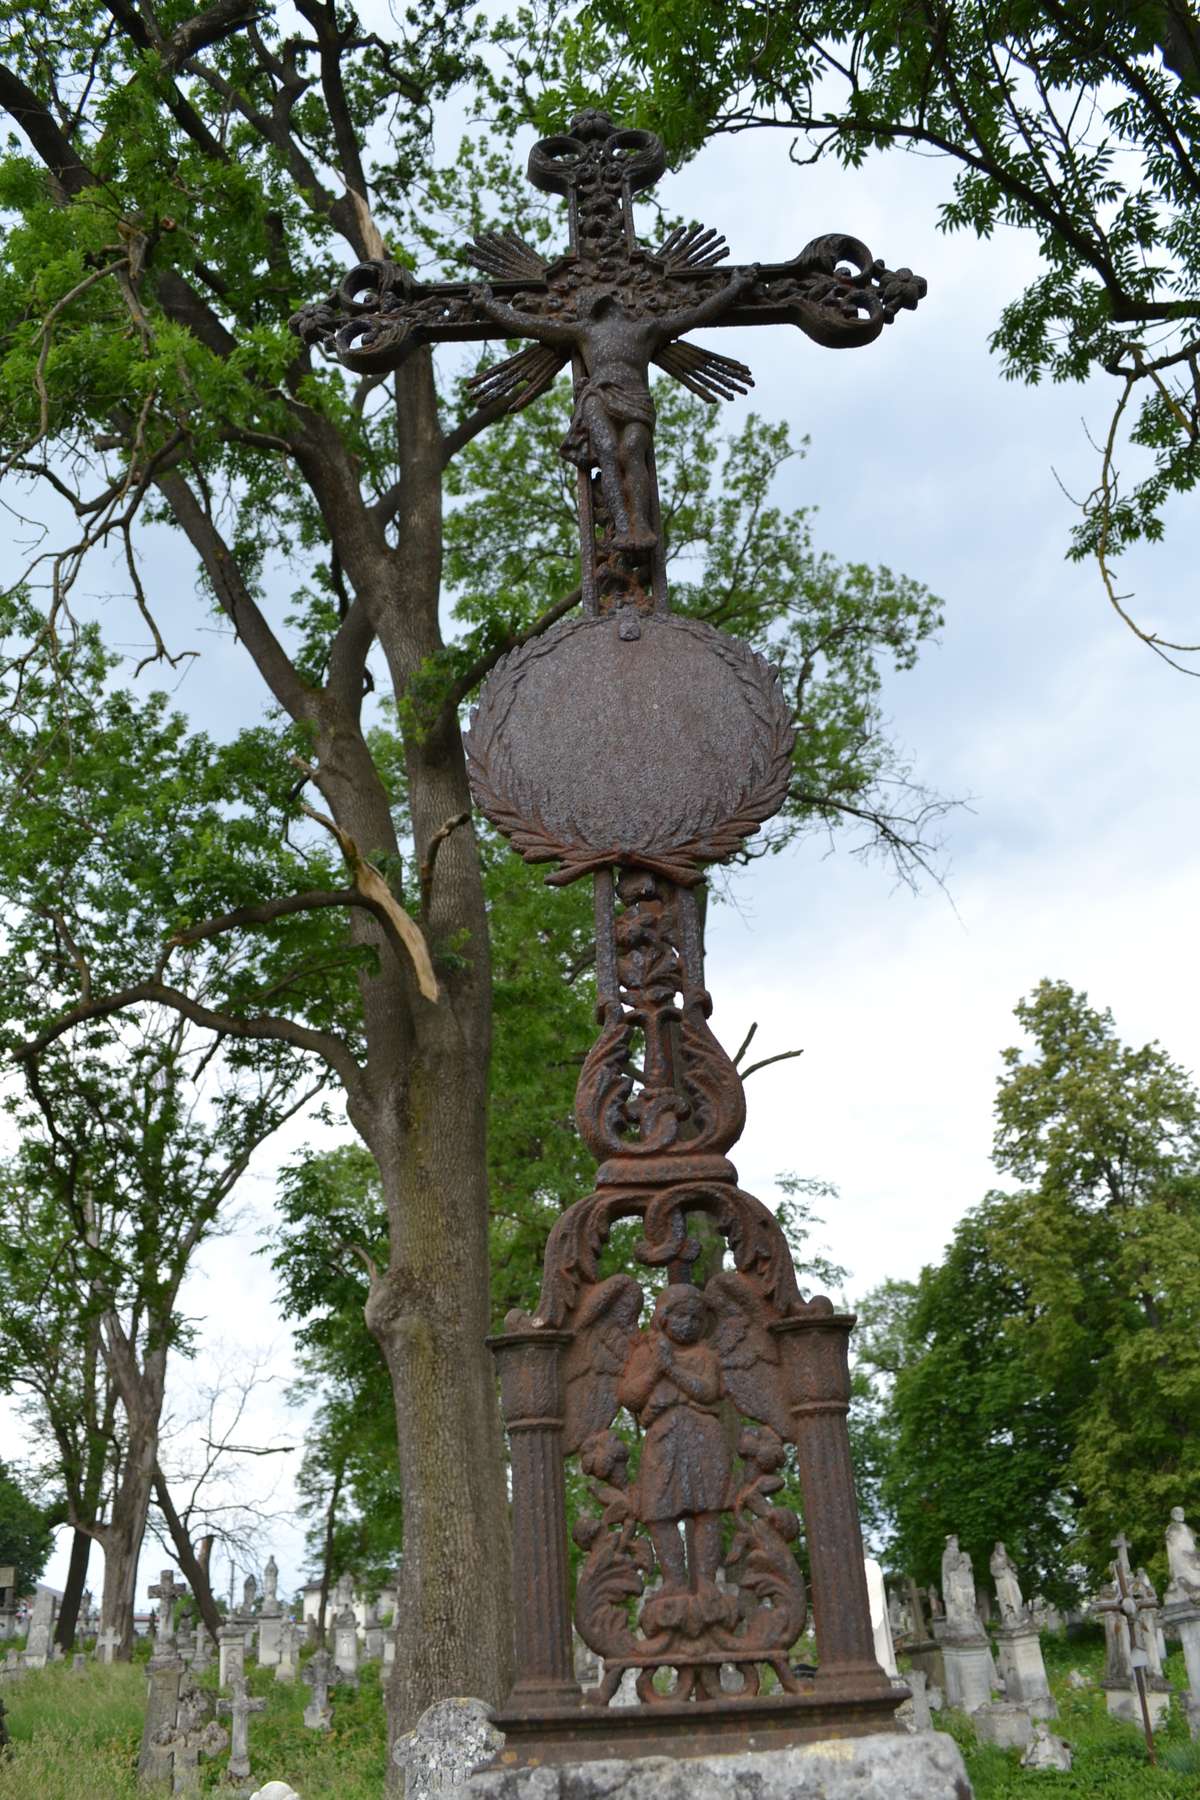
x=345 y=1644
x=1047 y=1752
x=270 y=1604
x=270 y=1627
x=41 y=1630
x=389 y=1649
x=239 y=1709
x=1008 y=1587
x=885 y=1653
x=107 y=1644
x=320 y=1674
x=192 y=1736
x=310 y=1633
x=79 y=1663
x=449 y=1740
x=165 y=1675
x=1181 y=1606
x=372 y=1633
x=202 y=1654
x=231 y=1650
x=165 y=1590
x=285 y=1666
x=249 y=1596
x=343 y=1593
x=966 y=1652
x=8 y=1600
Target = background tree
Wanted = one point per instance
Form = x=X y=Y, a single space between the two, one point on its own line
x=1076 y=123
x=179 y=186
x=1042 y=1379
x=26 y=1536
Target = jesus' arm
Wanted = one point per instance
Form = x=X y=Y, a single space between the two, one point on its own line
x=522 y=324
x=690 y=318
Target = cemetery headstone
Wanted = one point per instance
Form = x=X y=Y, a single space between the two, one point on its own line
x=1018 y=1646
x=289 y=1641
x=41 y=1630
x=1047 y=1752
x=1181 y=1606
x=922 y=1651
x=202 y=1654
x=372 y=1633
x=1131 y=1693
x=270 y=1618
x=231 y=1654
x=345 y=1644
x=239 y=1708
x=881 y=1628
x=192 y=1736
x=165 y=1674
x=107 y=1644
x=1003 y=1723
x=320 y=1674
x=449 y=1741
x=8 y=1600
x=966 y=1653
x=167 y=1593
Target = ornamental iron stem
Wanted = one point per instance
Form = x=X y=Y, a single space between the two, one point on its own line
x=639 y=748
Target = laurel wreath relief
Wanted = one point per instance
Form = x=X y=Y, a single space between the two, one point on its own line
x=676 y=846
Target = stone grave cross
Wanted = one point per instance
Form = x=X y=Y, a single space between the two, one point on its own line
x=165 y=1589
x=320 y=1674
x=1124 y=1603
x=239 y=1709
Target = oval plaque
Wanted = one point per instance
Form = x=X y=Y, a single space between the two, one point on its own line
x=661 y=751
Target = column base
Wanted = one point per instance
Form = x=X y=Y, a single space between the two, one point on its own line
x=585 y=1733
x=928 y=1766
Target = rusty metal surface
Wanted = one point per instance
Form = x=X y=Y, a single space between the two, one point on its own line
x=641 y=748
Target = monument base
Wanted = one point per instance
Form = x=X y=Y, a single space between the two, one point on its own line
x=884 y=1766
x=970 y=1672
x=1123 y=1703
x=694 y=1729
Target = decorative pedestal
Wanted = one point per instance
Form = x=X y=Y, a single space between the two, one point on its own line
x=887 y=1766
x=1181 y=1616
x=927 y=1659
x=270 y=1631
x=1019 y=1654
x=1123 y=1703
x=969 y=1667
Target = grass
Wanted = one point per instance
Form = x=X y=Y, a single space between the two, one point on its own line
x=1109 y=1758
x=76 y=1738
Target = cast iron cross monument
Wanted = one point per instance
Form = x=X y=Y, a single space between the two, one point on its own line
x=639 y=747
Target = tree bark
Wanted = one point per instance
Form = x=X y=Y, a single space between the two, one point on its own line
x=141 y=1392
x=68 y=1613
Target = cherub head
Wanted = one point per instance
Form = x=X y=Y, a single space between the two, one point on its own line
x=682 y=1312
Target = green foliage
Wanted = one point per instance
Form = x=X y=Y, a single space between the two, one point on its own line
x=1078 y=125
x=1042 y=1379
x=26 y=1538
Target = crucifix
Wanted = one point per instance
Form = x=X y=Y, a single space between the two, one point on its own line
x=1125 y=1603
x=165 y=1589
x=639 y=747
x=239 y=1710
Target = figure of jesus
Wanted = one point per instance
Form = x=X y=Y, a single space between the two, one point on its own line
x=613 y=426
x=672 y=1383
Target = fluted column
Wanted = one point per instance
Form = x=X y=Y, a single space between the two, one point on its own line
x=531 y=1395
x=815 y=1345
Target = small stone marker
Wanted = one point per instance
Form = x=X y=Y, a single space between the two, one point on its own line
x=193 y=1735
x=1004 y=1724
x=41 y=1630
x=239 y=1710
x=166 y=1674
x=285 y=1666
x=106 y=1644
x=202 y=1654
x=320 y=1675
x=1047 y=1751
x=449 y=1740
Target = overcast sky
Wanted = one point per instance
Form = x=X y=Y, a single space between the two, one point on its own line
x=1076 y=857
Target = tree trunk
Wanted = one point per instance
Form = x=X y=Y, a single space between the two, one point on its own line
x=194 y=1572
x=429 y=1313
x=327 y=1551
x=68 y=1612
x=141 y=1392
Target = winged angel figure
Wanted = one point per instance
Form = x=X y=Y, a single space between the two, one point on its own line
x=703 y=1348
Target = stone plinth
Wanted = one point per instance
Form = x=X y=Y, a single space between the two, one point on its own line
x=1181 y=1616
x=969 y=1670
x=926 y=1657
x=1004 y=1724
x=270 y=1631
x=883 y=1766
x=1019 y=1654
x=1123 y=1703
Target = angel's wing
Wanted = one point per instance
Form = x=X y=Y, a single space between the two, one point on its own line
x=708 y=373
x=605 y=1325
x=518 y=379
x=507 y=257
x=692 y=247
x=750 y=1362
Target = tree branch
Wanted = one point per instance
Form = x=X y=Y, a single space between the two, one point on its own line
x=484 y=664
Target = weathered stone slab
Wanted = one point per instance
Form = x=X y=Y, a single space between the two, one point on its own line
x=1004 y=1724
x=886 y=1766
x=449 y=1740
